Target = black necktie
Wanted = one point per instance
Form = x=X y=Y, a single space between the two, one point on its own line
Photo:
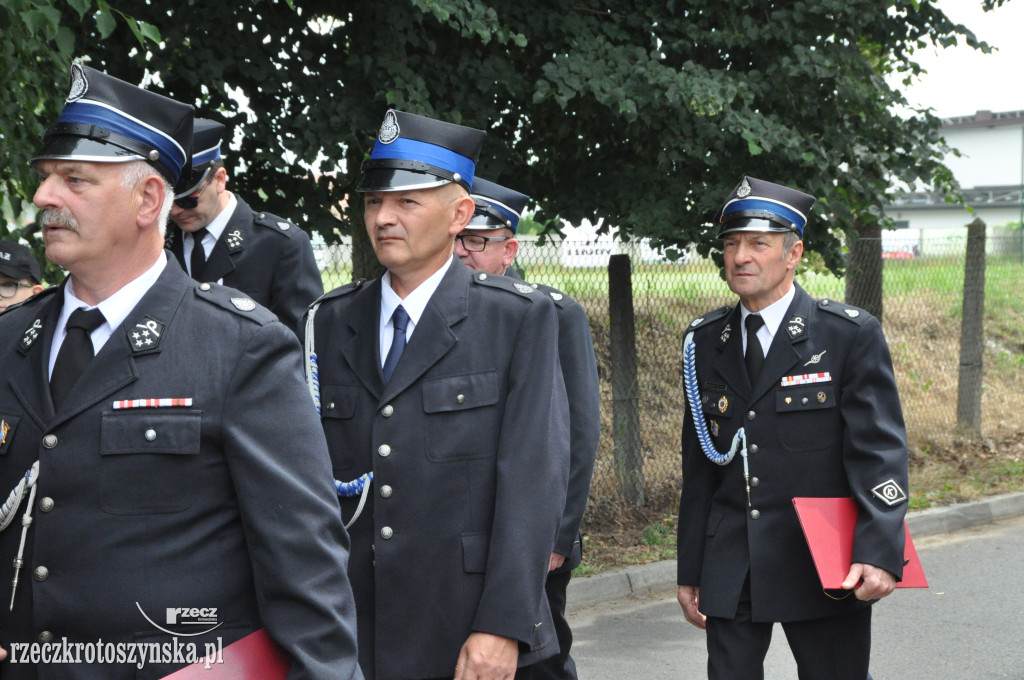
x=400 y=319
x=754 y=357
x=75 y=353
x=197 y=262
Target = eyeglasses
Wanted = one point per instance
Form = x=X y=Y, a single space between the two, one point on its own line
x=476 y=244
x=9 y=289
x=190 y=201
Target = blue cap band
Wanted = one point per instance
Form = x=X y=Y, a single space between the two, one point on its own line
x=87 y=112
x=206 y=156
x=779 y=209
x=438 y=156
x=504 y=211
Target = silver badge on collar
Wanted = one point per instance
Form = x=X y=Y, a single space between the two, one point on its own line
x=889 y=492
x=234 y=239
x=795 y=327
x=389 y=129
x=243 y=304
x=726 y=332
x=79 y=84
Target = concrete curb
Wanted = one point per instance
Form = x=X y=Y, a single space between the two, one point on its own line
x=645 y=579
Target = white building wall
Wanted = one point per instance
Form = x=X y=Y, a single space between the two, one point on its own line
x=991 y=156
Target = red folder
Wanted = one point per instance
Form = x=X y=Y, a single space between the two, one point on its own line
x=829 y=525
x=254 y=657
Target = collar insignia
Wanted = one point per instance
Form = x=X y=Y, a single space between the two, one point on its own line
x=233 y=240
x=31 y=335
x=726 y=332
x=795 y=327
x=145 y=336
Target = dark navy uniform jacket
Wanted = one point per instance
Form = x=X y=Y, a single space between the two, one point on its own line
x=579 y=370
x=840 y=436
x=264 y=256
x=225 y=503
x=469 y=446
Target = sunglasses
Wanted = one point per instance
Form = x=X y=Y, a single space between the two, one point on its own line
x=190 y=201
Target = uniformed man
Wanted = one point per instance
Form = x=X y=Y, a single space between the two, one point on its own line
x=263 y=255
x=489 y=244
x=804 y=392
x=444 y=385
x=19 y=274
x=172 y=489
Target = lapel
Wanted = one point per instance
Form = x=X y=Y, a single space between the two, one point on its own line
x=27 y=369
x=788 y=344
x=361 y=348
x=231 y=243
x=434 y=336
x=115 y=365
x=729 y=344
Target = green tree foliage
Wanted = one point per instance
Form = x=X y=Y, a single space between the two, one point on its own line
x=642 y=112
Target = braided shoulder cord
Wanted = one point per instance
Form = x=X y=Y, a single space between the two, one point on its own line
x=739 y=441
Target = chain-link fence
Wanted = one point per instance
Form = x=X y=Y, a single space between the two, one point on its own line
x=923 y=284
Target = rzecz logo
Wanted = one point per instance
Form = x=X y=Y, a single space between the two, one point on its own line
x=186 y=616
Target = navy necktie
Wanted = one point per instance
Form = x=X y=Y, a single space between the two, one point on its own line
x=400 y=319
x=197 y=261
x=75 y=353
x=754 y=356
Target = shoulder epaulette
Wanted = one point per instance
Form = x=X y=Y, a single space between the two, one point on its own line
x=275 y=223
x=234 y=301
x=505 y=283
x=713 y=315
x=341 y=291
x=848 y=312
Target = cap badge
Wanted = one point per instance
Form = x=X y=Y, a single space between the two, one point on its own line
x=79 y=85
x=244 y=304
x=744 y=189
x=523 y=288
x=389 y=129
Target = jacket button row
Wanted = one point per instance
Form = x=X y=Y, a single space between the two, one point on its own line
x=49 y=441
x=386 y=533
x=46 y=504
x=387 y=411
x=40 y=573
x=385 y=491
x=384 y=450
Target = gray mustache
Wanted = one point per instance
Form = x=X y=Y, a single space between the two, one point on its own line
x=60 y=218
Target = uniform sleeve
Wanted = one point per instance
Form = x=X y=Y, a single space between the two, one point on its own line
x=579 y=370
x=875 y=450
x=281 y=471
x=297 y=282
x=532 y=475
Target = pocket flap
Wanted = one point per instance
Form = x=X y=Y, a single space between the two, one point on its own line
x=474 y=552
x=150 y=431
x=805 y=398
x=460 y=392
x=338 y=401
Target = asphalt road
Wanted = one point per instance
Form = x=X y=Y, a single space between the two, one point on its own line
x=969 y=623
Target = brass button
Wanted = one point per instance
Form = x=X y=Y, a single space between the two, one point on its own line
x=46 y=637
x=40 y=573
x=387 y=411
x=385 y=491
x=49 y=441
x=754 y=514
x=46 y=504
x=386 y=533
x=384 y=450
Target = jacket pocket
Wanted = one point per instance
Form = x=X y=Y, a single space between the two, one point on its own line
x=805 y=416
x=148 y=460
x=338 y=405
x=463 y=417
x=475 y=547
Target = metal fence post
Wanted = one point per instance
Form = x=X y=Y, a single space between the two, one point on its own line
x=625 y=405
x=972 y=332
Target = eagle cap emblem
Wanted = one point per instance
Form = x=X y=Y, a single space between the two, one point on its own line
x=79 y=84
x=744 y=189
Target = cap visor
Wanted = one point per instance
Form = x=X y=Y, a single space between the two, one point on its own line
x=754 y=224
x=394 y=179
